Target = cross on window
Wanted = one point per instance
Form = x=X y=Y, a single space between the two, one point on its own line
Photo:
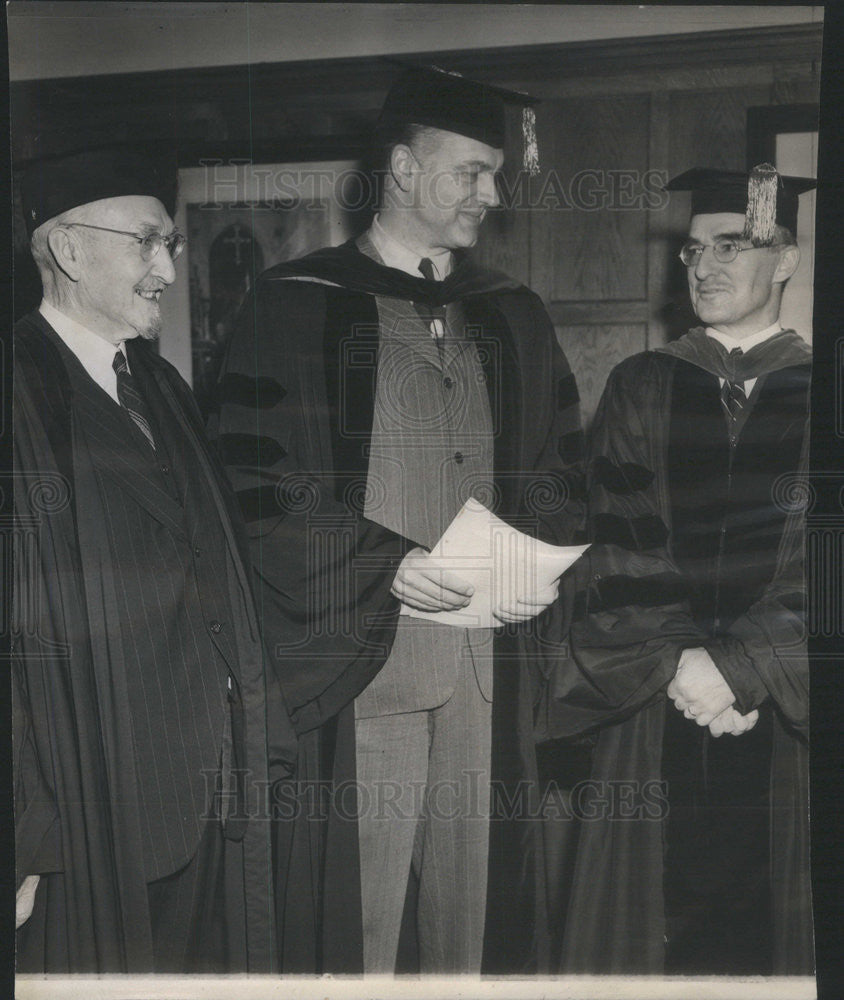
x=237 y=241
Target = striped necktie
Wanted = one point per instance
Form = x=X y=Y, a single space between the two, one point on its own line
x=130 y=398
x=733 y=396
x=434 y=316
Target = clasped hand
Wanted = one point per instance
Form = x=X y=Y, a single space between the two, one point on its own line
x=700 y=692
x=427 y=587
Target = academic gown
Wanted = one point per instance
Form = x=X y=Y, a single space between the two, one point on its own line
x=77 y=787
x=651 y=588
x=296 y=401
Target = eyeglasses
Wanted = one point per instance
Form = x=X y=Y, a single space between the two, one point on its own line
x=150 y=244
x=724 y=251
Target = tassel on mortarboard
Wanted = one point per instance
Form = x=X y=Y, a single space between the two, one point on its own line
x=761 y=217
x=531 y=154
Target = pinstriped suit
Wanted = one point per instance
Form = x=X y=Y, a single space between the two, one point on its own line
x=424 y=721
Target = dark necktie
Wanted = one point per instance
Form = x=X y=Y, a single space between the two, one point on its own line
x=130 y=398
x=733 y=396
x=434 y=316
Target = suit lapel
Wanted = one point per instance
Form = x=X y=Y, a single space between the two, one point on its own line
x=116 y=456
x=111 y=444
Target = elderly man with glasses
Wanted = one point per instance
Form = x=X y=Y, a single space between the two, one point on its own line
x=689 y=655
x=142 y=720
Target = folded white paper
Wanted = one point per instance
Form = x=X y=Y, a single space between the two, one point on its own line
x=502 y=563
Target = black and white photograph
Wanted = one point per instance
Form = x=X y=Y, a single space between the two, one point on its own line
x=422 y=536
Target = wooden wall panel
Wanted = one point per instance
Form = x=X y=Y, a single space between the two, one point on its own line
x=711 y=127
x=582 y=252
x=707 y=129
x=593 y=352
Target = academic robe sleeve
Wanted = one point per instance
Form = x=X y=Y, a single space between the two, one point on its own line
x=38 y=847
x=324 y=571
x=764 y=654
x=630 y=621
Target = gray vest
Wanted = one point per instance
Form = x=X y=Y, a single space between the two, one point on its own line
x=431 y=449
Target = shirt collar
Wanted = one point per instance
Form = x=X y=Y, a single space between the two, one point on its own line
x=757 y=338
x=95 y=353
x=395 y=254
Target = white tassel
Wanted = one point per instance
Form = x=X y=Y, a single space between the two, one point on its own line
x=531 y=159
x=761 y=216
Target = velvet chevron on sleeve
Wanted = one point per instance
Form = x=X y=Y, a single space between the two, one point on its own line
x=294 y=454
x=697 y=527
x=630 y=617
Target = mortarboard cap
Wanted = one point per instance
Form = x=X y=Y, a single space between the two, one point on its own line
x=764 y=197
x=439 y=99
x=53 y=185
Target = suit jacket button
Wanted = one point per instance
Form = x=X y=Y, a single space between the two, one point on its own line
x=458 y=457
x=165 y=469
x=216 y=627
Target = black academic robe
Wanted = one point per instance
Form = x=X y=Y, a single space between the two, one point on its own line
x=296 y=401
x=108 y=794
x=692 y=548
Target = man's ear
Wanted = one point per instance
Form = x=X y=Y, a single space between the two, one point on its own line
x=789 y=259
x=402 y=166
x=67 y=252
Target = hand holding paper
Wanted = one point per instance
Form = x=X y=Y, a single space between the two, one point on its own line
x=421 y=585
x=482 y=573
x=529 y=606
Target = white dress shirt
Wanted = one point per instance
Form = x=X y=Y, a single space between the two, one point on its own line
x=395 y=254
x=730 y=343
x=95 y=353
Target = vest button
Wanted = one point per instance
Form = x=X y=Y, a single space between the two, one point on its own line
x=165 y=469
x=458 y=457
x=448 y=382
x=197 y=551
x=216 y=627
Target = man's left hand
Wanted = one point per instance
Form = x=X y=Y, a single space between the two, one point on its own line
x=528 y=607
x=698 y=689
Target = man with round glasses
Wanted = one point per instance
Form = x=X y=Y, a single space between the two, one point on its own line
x=689 y=651
x=138 y=681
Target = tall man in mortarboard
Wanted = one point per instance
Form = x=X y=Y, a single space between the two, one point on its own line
x=691 y=652
x=370 y=390
x=138 y=674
